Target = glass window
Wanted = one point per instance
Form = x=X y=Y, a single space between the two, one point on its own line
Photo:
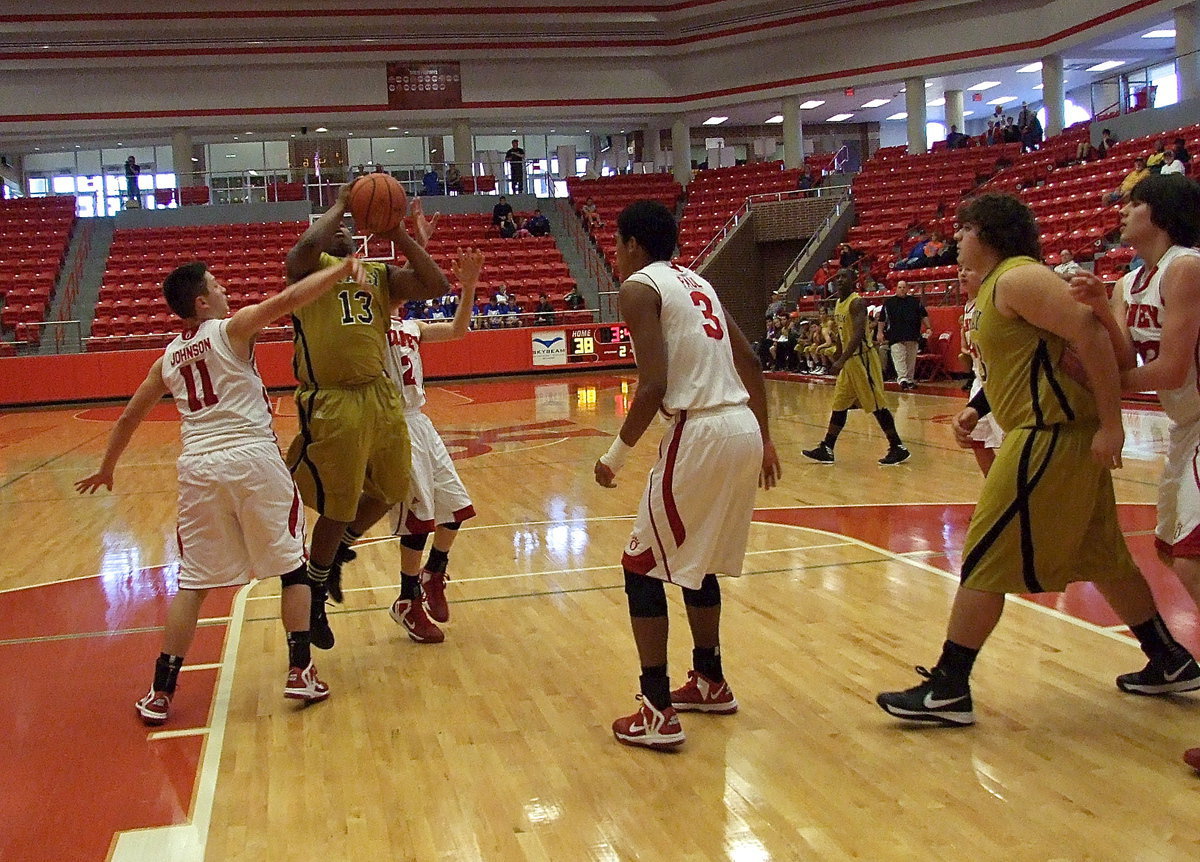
x=39 y=187
x=63 y=185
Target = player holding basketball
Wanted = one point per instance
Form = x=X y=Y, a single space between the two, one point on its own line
x=238 y=507
x=696 y=367
x=1154 y=314
x=437 y=502
x=859 y=377
x=351 y=457
x=1047 y=515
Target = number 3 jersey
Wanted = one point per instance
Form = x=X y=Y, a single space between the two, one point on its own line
x=219 y=395
x=404 y=362
x=1143 y=316
x=700 y=369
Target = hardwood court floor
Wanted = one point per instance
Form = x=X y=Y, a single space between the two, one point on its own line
x=496 y=745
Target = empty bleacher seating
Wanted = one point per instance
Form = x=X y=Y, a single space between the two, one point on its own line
x=34 y=236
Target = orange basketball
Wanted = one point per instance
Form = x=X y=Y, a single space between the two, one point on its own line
x=378 y=203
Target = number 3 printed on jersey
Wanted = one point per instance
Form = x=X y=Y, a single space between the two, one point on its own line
x=712 y=323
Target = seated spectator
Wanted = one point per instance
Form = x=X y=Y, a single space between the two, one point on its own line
x=450 y=302
x=537 y=224
x=591 y=218
x=544 y=312
x=435 y=310
x=1068 y=265
x=915 y=258
x=1135 y=176
x=574 y=299
x=501 y=211
x=501 y=294
x=1157 y=158
x=1182 y=155
x=453 y=180
x=956 y=140
x=508 y=227
x=478 y=315
x=1085 y=151
x=848 y=256
x=821 y=278
x=512 y=315
x=495 y=311
x=1172 y=165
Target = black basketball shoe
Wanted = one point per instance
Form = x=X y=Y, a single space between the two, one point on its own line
x=1155 y=679
x=934 y=700
x=821 y=453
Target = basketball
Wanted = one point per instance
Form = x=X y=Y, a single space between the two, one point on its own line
x=378 y=203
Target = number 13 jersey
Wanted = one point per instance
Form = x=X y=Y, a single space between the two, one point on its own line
x=700 y=371
x=219 y=395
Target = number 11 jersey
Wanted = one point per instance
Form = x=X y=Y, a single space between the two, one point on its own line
x=219 y=395
x=700 y=370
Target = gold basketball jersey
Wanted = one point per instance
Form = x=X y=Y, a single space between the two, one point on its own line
x=845 y=323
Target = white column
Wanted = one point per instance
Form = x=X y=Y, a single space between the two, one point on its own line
x=181 y=158
x=1053 y=94
x=681 y=150
x=954 y=110
x=793 y=133
x=914 y=100
x=464 y=146
x=650 y=148
x=1187 y=22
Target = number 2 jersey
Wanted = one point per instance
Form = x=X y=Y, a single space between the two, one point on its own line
x=219 y=395
x=404 y=362
x=700 y=371
x=1143 y=317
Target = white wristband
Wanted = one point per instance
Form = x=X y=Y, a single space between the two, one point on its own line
x=617 y=454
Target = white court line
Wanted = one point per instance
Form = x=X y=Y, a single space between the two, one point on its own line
x=466 y=398
x=210 y=666
x=175 y=734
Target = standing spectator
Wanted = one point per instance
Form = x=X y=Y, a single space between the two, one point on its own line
x=132 y=169
x=905 y=322
x=1067 y=266
x=1012 y=133
x=453 y=180
x=516 y=166
x=501 y=211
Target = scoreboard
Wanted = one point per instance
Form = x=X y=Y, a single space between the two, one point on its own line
x=607 y=342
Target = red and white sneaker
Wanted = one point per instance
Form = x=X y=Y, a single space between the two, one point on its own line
x=304 y=684
x=433 y=586
x=1192 y=758
x=702 y=694
x=650 y=728
x=154 y=707
x=411 y=614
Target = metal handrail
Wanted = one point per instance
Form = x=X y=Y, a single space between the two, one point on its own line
x=792 y=273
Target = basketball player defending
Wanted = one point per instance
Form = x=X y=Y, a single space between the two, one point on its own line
x=239 y=510
x=1155 y=314
x=696 y=367
x=1047 y=515
x=351 y=458
x=859 y=377
x=437 y=502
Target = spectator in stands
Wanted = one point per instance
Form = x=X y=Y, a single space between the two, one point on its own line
x=1032 y=134
x=478 y=314
x=1156 y=159
x=431 y=183
x=1012 y=133
x=436 y=311
x=450 y=302
x=956 y=140
x=544 y=312
x=849 y=257
x=574 y=299
x=1182 y=155
x=1085 y=151
x=591 y=218
x=537 y=224
x=512 y=315
x=132 y=169
x=501 y=211
x=1067 y=266
x=453 y=180
x=821 y=278
x=1023 y=117
x=516 y=166
x=495 y=311
x=378 y=169
x=508 y=227
x=917 y=257
x=989 y=137
x=1172 y=165
x=1135 y=176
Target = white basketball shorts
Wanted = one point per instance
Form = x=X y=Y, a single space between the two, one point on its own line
x=1178 y=532
x=239 y=513
x=988 y=433
x=694 y=517
x=435 y=493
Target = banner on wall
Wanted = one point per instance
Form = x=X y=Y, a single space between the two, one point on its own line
x=418 y=86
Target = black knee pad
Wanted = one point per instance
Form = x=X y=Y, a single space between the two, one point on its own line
x=708 y=596
x=646 y=595
x=452 y=525
x=296 y=576
x=414 y=542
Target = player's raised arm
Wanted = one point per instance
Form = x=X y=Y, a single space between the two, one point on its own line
x=467 y=267
x=1090 y=290
x=305 y=256
x=420 y=278
x=151 y=391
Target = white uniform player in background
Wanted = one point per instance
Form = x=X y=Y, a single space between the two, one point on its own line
x=987 y=435
x=693 y=522
x=437 y=501
x=239 y=511
x=1153 y=320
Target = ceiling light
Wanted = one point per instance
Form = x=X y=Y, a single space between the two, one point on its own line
x=231 y=155
x=837 y=118
x=247 y=133
x=587 y=131
x=552 y=131
x=1159 y=34
x=876 y=103
x=1032 y=67
x=1038 y=86
x=902 y=115
x=391 y=150
x=984 y=85
x=968 y=113
x=322 y=129
x=936 y=103
x=407 y=132
x=292 y=136
x=351 y=134
x=778 y=118
x=1002 y=100
x=393 y=128
x=811 y=103
x=1106 y=65
x=235 y=137
x=715 y=121
x=194 y=159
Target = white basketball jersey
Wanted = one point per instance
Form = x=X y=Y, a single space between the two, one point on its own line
x=220 y=397
x=700 y=369
x=968 y=339
x=404 y=362
x=1143 y=317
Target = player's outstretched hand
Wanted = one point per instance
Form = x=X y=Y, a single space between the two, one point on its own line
x=1090 y=290
x=424 y=226
x=467 y=266
x=771 y=470
x=963 y=424
x=96 y=480
x=1107 y=445
x=343 y=197
x=605 y=477
x=354 y=269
